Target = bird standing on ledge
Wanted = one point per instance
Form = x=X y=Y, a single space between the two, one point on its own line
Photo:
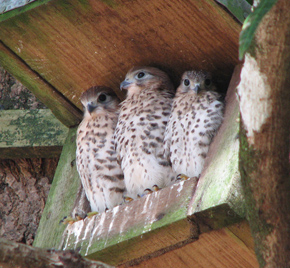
x=140 y=130
x=195 y=118
x=96 y=158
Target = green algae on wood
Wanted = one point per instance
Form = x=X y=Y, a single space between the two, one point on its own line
x=159 y=220
x=61 y=197
x=30 y=133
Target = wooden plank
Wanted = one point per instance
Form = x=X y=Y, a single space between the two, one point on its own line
x=62 y=195
x=73 y=45
x=242 y=232
x=63 y=109
x=30 y=133
x=145 y=227
x=164 y=220
x=215 y=249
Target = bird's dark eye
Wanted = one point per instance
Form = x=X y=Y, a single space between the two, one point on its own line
x=102 y=97
x=140 y=75
x=207 y=82
x=186 y=82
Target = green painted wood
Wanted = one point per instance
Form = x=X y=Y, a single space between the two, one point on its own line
x=61 y=198
x=30 y=133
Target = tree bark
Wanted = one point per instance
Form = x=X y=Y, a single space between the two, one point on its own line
x=264 y=94
x=24 y=187
x=22 y=256
x=13 y=95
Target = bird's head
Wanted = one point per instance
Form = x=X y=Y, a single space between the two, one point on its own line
x=140 y=78
x=99 y=98
x=196 y=82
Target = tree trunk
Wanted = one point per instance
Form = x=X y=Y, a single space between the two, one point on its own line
x=24 y=187
x=264 y=94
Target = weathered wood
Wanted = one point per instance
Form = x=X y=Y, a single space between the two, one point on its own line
x=22 y=256
x=153 y=224
x=162 y=221
x=67 y=113
x=62 y=195
x=218 y=248
x=30 y=134
x=71 y=45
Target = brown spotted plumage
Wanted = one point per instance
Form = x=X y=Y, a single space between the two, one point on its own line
x=140 y=130
x=195 y=118
x=100 y=174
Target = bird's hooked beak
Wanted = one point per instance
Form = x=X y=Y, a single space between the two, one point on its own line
x=125 y=85
x=91 y=107
x=196 y=88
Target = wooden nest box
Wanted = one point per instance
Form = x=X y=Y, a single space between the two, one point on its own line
x=58 y=49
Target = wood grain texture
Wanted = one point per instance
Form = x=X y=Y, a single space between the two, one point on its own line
x=216 y=249
x=73 y=45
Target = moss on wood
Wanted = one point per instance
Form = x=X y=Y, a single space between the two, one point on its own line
x=30 y=133
x=61 y=197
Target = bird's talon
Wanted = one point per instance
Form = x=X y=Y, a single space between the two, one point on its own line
x=91 y=214
x=155 y=188
x=79 y=217
x=182 y=177
x=128 y=199
x=68 y=220
x=148 y=191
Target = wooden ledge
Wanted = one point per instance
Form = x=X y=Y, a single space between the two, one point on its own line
x=145 y=226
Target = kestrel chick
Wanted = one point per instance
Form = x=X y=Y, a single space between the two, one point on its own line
x=195 y=118
x=96 y=158
x=140 y=130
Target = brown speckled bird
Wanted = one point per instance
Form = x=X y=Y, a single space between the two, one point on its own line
x=196 y=115
x=140 y=130
x=100 y=174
